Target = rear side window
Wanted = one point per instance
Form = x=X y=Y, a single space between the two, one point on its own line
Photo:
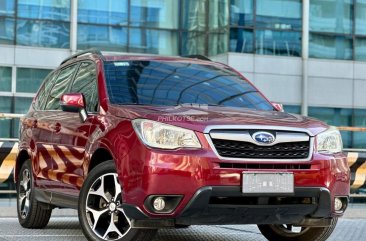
x=44 y=91
x=61 y=84
x=85 y=82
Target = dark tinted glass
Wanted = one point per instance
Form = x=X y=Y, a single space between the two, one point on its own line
x=85 y=82
x=44 y=91
x=61 y=84
x=174 y=83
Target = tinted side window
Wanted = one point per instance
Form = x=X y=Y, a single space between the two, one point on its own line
x=61 y=84
x=45 y=90
x=85 y=82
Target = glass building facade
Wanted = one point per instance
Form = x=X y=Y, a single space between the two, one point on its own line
x=180 y=27
x=184 y=27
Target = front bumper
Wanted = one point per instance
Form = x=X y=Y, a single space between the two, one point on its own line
x=227 y=205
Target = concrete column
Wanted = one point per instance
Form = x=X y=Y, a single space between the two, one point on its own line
x=73 y=26
x=305 y=55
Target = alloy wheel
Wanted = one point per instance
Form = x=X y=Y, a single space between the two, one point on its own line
x=104 y=213
x=24 y=193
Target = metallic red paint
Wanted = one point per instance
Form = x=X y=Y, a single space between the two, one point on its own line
x=61 y=148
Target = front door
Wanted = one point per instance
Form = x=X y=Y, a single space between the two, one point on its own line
x=71 y=139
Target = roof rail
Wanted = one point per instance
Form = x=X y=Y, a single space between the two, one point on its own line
x=88 y=51
x=198 y=56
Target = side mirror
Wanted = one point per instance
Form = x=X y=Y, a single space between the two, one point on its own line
x=278 y=106
x=74 y=102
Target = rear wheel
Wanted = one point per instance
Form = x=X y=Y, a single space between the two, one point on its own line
x=288 y=232
x=31 y=213
x=100 y=208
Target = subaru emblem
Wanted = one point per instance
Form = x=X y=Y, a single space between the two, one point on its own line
x=263 y=137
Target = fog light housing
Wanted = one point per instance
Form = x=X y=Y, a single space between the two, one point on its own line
x=338 y=204
x=159 y=204
x=162 y=204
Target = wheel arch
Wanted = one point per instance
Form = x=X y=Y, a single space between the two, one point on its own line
x=99 y=156
x=22 y=157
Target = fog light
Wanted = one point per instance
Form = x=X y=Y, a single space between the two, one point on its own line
x=159 y=203
x=338 y=204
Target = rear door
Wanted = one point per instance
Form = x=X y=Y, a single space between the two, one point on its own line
x=39 y=133
x=72 y=138
x=49 y=153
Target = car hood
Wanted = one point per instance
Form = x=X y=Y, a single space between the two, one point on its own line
x=202 y=118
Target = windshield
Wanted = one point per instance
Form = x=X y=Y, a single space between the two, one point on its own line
x=175 y=83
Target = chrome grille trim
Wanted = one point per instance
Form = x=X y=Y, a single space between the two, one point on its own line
x=241 y=133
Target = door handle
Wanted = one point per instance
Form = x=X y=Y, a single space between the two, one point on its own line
x=56 y=128
x=34 y=124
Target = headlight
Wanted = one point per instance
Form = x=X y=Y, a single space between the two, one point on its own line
x=329 y=141
x=159 y=135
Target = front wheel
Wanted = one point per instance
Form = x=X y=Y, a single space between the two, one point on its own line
x=288 y=232
x=100 y=208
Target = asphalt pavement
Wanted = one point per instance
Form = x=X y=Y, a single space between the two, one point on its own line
x=64 y=225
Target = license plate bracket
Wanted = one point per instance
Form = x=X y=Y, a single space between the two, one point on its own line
x=268 y=182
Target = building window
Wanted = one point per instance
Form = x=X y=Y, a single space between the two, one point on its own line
x=155 y=14
x=43 y=23
x=5 y=124
x=153 y=41
x=44 y=9
x=7 y=11
x=270 y=27
x=110 y=38
x=331 y=29
x=5 y=79
x=330 y=47
x=182 y=27
x=336 y=117
x=110 y=12
x=193 y=43
x=29 y=80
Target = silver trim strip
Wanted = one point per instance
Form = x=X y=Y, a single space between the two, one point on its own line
x=246 y=137
x=256 y=127
x=219 y=130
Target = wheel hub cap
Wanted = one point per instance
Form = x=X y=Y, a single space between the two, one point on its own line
x=112 y=207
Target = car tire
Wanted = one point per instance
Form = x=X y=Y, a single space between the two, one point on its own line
x=31 y=213
x=275 y=232
x=100 y=213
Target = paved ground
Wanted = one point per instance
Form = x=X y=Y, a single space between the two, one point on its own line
x=67 y=228
x=64 y=226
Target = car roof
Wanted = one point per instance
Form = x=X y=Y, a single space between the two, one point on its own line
x=197 y=59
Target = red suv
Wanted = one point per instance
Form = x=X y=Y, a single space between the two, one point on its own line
x=138 y=143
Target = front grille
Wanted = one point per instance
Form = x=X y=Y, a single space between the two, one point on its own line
x=240 y=149
x=265 y=166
